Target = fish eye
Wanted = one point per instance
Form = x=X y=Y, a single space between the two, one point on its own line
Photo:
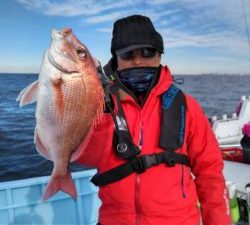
x=81 y=52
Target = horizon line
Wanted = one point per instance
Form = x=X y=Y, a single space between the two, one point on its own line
x=174 y=74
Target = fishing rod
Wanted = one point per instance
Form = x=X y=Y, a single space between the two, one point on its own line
x=246 y=23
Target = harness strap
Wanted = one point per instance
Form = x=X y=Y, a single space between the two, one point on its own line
x=122 y=140
x=139 y=165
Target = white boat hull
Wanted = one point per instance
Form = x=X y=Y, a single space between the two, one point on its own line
x=228 y=131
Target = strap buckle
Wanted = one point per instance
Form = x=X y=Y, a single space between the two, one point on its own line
x=170 y=159
x=171 y=162
x=141 y=163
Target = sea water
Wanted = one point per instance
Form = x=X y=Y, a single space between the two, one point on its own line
x=217 y=94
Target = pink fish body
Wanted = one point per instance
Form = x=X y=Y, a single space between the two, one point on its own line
x=70 y=101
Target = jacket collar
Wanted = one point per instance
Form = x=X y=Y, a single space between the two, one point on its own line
x=165 y=80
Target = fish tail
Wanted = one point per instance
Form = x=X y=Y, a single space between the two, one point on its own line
x=59 y=183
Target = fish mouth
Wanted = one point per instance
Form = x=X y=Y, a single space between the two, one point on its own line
x=58 y=66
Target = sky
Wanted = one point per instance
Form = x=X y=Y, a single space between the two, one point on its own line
x=200 y=37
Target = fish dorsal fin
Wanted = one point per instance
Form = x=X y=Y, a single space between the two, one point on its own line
x=28 y=95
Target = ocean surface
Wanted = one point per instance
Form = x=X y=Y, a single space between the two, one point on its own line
x=217 y=94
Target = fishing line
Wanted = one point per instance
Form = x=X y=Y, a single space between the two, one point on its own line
x=246 y=24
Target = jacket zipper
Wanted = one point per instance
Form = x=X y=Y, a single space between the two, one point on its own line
x=137 y=183
x=182 y=182
x=137 y=200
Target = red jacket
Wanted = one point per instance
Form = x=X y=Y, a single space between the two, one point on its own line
x=162 y=195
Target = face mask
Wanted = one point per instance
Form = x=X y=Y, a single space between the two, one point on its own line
x=138 y=79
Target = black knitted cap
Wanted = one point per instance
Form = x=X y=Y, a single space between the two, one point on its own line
x=135 y=31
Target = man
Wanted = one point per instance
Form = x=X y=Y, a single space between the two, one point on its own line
x=155 y=152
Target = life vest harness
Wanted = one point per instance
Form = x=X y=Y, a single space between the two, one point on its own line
x=171 y=138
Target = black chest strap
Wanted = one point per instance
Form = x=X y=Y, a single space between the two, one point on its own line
x=139 y=164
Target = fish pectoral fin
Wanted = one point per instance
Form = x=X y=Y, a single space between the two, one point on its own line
x=28 y=95
x=57 y=183
x=40 y=146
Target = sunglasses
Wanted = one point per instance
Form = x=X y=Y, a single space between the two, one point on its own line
x=144 y=52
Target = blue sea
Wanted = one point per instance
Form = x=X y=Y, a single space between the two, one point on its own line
x=217 y=94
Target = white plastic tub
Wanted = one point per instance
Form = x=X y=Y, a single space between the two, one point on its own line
x=20 y=202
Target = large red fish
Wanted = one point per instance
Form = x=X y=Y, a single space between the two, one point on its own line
x=70 y=101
